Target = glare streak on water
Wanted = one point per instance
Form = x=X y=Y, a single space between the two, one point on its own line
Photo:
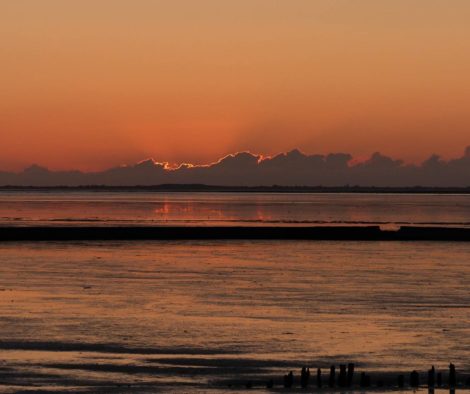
x=200 y=314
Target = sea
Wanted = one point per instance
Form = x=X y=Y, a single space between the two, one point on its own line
x=223 y=315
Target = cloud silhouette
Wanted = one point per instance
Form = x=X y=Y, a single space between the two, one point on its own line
x=293 y=168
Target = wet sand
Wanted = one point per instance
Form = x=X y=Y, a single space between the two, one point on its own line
x=197 y=316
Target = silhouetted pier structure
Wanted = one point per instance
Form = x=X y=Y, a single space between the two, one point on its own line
x=345 y=380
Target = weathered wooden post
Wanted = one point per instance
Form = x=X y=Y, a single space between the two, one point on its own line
x=452 y=376
x=304 y=377
x=319 y=382
x=289 y=380
x=431 y=377
x=331 y=380
x=342 y=381
x=350 y=374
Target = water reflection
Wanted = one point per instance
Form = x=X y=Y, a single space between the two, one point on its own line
x=202 y=314
x=140 y=208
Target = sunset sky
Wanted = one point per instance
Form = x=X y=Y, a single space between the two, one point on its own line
x=90 y=84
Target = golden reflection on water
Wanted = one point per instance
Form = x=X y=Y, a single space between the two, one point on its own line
x=106 y=208
x=386 y=306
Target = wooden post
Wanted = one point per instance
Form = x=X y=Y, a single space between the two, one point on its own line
x=350 y=374
x=319 y=382
x=289 y=380
x=431 y=377
x=304 y=377
x=452 y=376
x=342 y=381
x=331 y=380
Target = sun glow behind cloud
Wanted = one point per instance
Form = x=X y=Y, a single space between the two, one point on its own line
x=292 y=168
x=89 y=84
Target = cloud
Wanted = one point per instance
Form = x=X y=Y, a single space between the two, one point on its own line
x=293 y=168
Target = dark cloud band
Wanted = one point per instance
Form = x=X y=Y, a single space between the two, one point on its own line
x=246 y=169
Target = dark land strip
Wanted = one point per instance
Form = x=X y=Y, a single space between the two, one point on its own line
x=339 y=233
x=195 y=188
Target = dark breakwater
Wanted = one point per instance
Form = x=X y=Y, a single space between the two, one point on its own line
x=340 y=233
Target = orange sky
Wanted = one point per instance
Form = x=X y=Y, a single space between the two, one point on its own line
x=93 y=83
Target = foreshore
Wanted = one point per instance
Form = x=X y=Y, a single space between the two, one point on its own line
x=197 y=369
x=333 y=233
x=117 y=369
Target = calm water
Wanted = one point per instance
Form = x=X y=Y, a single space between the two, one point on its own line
x=190 y=316
x=80 y=208
x=198 y=316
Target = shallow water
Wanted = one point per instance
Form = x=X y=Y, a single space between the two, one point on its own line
x=141 y=208
x=201 y=315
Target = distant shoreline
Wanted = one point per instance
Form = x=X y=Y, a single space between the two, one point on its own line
x=201 y=188
x=279 y=233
